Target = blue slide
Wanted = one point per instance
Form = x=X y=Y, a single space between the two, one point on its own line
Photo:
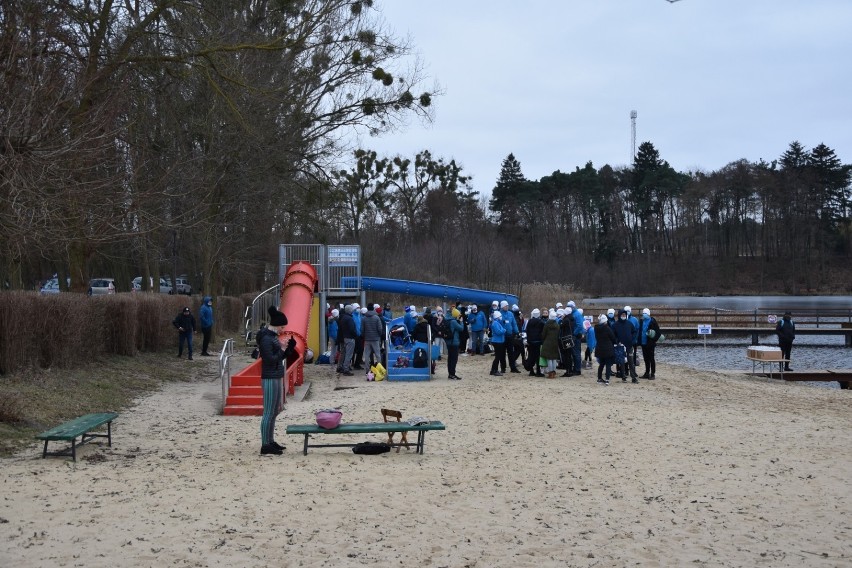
x=450 y=294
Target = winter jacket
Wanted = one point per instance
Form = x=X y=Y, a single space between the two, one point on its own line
x=647 y=325
x=421 y=331
x=346 y=328
x=456 y=328
x=566 y=326
x=332 y=329
x=606 y=340
x=356 y=317
x=271 y=354
x=371 y=327
x=550 y=340
x=509 y=322
x=410 y=321
x=786 y=330
x=578 y=322
x=498 y=332
x=206 y=313
x=477 y=321
x=436 y=324
x=185 y=321
x=635 y=323
x=623 y=331
x=591 y=339
x=535 y=327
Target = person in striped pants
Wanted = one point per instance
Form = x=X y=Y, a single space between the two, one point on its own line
x=272 y=371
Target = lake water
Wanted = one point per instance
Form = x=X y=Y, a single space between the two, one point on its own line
x=810 y=352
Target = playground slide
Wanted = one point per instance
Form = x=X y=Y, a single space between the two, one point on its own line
x=245 y=396
x=450 y=294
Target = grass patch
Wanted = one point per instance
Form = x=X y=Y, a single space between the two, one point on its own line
x=37 y=399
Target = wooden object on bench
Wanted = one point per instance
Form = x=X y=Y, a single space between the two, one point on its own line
x=387 y=413
x=365 y=428
x=82 y=427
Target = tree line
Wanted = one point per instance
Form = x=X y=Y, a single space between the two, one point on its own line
x=189 y=136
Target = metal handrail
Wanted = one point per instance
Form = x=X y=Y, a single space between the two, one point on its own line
x=256 y=313
x=225 y=369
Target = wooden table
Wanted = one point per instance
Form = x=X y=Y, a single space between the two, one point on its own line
x=756 y=360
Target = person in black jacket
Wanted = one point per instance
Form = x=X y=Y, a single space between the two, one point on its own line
x=272 y=369
x=534 y=328
x=786 y=331
x=346 y=335
x=605 y=348
x=566 y=330
x=649 y=334
x=421 y=330
x=184 y=322
x=624 y=332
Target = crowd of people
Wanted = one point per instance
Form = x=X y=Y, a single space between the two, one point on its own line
x=549 y=340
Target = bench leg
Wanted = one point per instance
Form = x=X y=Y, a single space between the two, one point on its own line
x=74 y=449
x=109 y=433
x=305 y=449
x=44 y=453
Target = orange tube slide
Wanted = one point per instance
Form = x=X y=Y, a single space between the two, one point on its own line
x=297 y=295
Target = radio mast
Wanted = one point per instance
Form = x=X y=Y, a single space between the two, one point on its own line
x=632 y=136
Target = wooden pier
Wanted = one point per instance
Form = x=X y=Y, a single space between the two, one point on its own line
x=683 y=323
x=843 y=378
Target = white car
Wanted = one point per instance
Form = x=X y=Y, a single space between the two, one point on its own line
x=183 y=286
x=136 y=285
x=99 y=286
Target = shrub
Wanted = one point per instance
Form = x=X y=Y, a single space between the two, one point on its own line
x=68 y=330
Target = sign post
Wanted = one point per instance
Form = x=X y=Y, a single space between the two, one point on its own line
x=705 y=330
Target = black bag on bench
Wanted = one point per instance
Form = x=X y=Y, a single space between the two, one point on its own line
x=371 y=448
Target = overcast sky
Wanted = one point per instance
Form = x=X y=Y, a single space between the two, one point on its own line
x=712 y=81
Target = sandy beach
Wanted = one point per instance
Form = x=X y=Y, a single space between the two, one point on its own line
x=695 y=468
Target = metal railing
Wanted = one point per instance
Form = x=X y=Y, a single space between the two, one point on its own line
x=225 y=369
x=257 y=313
x=804 y=318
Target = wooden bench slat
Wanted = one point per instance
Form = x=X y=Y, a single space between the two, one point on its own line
x=364 y=428
x=73 y=428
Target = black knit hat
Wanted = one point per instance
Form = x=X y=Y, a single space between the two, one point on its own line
x=276 y=318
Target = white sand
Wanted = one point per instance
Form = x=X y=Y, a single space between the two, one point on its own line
x=697 y=469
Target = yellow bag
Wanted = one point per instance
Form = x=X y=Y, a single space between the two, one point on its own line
x=379 y=371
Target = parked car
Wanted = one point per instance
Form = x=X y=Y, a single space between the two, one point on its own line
x=100 y=286
x=136 y=285
x=183 y=286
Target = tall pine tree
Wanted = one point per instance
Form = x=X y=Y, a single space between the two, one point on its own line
x=504 y=195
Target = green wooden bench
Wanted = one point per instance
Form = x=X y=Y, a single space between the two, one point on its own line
x=82 y=427
x=365 y=428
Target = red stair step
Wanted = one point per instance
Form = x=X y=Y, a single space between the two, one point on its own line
x=244 y=410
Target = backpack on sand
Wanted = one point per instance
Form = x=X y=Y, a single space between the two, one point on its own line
x=419 y=359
